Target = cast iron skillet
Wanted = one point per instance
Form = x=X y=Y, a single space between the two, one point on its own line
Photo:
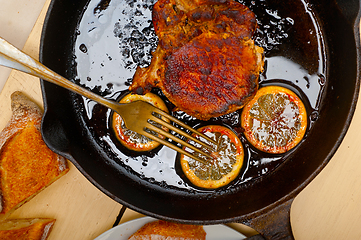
x=263 y=203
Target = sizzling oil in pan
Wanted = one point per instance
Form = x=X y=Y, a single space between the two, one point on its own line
x=115 y=36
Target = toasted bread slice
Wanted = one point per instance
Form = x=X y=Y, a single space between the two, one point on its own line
x=27 y=165
x=163 y=230
x=27 y=228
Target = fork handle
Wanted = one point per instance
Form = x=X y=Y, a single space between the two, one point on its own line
x=12 y=57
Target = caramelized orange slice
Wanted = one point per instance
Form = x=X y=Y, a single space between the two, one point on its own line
x=133 y=140
x=275 y=121
x=225 y=164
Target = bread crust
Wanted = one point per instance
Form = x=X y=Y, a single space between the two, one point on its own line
x=27 y=165
x=26 y=228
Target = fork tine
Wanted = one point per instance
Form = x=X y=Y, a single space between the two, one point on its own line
x=178 y=140
x=177 y=130
x=180 y=123
x=168 y=144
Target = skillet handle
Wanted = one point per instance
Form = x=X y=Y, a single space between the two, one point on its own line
x=274 y=224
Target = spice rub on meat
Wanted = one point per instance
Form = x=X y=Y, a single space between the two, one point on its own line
x=206 y=62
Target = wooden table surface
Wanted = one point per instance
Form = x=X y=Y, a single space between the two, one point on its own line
x=328 y=208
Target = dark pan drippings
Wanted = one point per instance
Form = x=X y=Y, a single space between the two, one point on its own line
x=116 y=36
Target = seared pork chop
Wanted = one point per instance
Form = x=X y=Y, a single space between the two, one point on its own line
x=206 y=62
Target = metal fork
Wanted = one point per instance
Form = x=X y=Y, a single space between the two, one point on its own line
x=138 y=116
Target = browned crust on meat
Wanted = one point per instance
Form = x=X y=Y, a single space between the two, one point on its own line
x=206 y=81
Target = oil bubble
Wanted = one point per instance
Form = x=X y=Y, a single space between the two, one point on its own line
x=83 y=48
x=314 y=116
